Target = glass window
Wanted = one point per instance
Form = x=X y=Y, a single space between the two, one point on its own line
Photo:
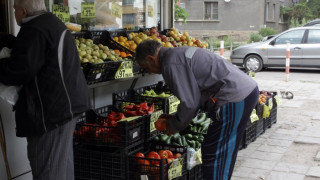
x=292 y=37
x=113 y=14
x=211 y=10
x=313 y=37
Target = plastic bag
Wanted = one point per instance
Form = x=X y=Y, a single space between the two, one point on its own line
x=8 y=93
x=193 y=158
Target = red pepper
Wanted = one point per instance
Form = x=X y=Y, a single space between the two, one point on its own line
x=113 y=123
x=130 y=113
x=140 y=112
x=151 y=108
x=144 y=106
x=129 y=107
x=121 y=115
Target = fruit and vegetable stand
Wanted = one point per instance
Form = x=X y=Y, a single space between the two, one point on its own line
x=121 y=140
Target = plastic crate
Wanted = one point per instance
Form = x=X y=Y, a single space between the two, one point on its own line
x=154 y=171
x=273 y=115
x=267 y=122
x=259 y=110
x=95 y=73
x=195 y=173
x=94 y=131
x=260 y=127
x=92 y=162
x=249 y=134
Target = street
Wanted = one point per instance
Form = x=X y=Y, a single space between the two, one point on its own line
x=290 y=149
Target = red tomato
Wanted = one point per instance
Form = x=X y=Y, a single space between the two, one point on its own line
x=139 y=155
x=161 y=124
x=170 y=154
x=144 y=165
x=153 y=155
x=163 y=154
x=177 y=155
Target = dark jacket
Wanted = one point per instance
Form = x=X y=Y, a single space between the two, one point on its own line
x=48 y=98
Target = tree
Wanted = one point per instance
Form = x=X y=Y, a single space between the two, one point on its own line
x=314 y=6
x=297 y=13
x=180 y=12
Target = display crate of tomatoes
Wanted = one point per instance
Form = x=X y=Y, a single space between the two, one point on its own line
x=106 y=126
x=195 y=173
x=92 y=162
x=249 y=133
x=159 y=162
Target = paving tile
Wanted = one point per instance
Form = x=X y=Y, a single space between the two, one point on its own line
x=242 y=172
x=268 y=156
x=259 y=174
x=274 y=175
x=287 y=131
x=259 y=164
x=274 y=149
x=294 y=104
x=277 y=142
x=311 y=132
x=316 y=116
x=240 y=178
x=307 y=140
x=291 y=168
x=314 y=172
x=283 y=136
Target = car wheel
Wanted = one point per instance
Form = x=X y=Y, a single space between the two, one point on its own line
x=253 y=63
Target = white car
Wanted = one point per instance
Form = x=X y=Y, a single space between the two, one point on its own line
x=304 y=45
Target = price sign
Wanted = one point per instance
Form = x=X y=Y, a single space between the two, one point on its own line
x=116 y=10
x=88 y=10
x=173 y=104
x=254 y=117
x=125 y=70
x=266 y=111
x=153 y=118
x=175 y=169
x=150 y=11
x=278 y=101
x=62 y=12
x=270 y=103
x=199 y=156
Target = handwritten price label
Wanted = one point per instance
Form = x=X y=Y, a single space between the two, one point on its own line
x=175 y=169
x=125 y=70
x=88 y=10
x=270 y=103
x=278 y=101
x=254 y=117
x=116 y=10
x=62 y=12
x=173 y=104
x=150 y=11
x=153 y=118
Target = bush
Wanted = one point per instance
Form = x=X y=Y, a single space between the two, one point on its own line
x=267 y=31
x=254 y=37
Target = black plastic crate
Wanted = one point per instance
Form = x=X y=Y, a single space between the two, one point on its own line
x=91 y=162
x=273 y=115
x=195 y=173
x=259 y=110
x=95 y=73
x=259 y=127
x=95 y=130
x=157 y=169
x=249 y=134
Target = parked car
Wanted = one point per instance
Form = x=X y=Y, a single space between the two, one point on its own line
x=304 y=50
x=315 y=22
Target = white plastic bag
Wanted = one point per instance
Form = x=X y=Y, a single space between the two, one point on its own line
x=8 y=93
x=193 y=158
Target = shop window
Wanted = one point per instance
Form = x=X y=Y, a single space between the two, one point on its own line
x=211 y=10
x=129 y=19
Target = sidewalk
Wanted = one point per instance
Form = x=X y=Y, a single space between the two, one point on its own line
x=290 y=149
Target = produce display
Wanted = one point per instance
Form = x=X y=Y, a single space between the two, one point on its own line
x=132 y=109
x=93 y=53
x=152 y=93
x=187 y=140
x=200 y=124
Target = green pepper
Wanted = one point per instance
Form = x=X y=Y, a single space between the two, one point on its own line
x=201 y=119
x=164 y=138
x=200 y=139
x=198 y=145
x=205 y=122
x=188 y=136
x=176 y=137
x=192 y=143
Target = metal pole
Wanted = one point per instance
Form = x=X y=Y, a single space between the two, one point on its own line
x=287 y=62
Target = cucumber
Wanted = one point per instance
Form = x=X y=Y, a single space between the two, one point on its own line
x=201 y=119
x=164 y=138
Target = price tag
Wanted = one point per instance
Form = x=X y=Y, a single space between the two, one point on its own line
x=125 y=70
x=173 y=104
x=150 y=11
x=153 y=118
x=116 y=10
x=254 y=117
x=199 y=156
x=252 y=75
x=270 y=103
x=266 y=111
x=88 y=10
x=98 y=75
x=175 y=169
x=278 y=101
x=62 y=12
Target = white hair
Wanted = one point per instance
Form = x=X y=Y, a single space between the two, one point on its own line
x=32 y=6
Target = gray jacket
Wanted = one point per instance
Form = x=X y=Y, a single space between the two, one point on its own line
x=194 y=75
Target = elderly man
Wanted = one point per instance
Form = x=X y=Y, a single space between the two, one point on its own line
x=45 y=61
x=203 y=80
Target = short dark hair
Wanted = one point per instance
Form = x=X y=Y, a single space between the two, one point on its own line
x=145 y=48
